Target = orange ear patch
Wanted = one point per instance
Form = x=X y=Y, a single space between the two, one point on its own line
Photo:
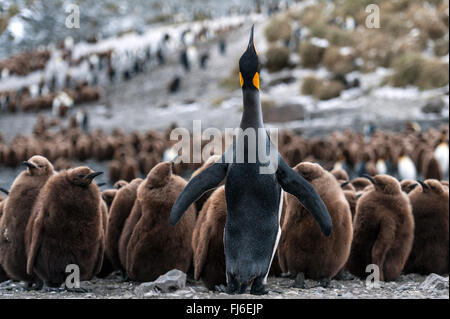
x=241 y=79
x=256 y=80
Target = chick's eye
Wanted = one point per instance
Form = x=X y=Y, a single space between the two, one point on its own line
x=80 y=176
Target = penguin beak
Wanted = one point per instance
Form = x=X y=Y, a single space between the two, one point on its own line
x=369 y=178
x=93 y=175
x=101 y=184
x=412 y=186
x=345 y=184
x=29 y=164
x=251 y=42
x=424 y=186
x=4 y=191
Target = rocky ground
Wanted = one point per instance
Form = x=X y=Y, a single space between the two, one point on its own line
x=410 y=286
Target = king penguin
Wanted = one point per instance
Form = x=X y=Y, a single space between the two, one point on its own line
x=253 y=197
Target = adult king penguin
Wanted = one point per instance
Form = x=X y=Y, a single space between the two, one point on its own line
x=253 y=199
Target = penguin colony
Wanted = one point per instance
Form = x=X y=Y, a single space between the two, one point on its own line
x=396 y=221
x=62 y=85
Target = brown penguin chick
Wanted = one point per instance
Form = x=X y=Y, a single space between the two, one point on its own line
x=17 y=209
x=445 y=184
x=340 y=174
x=200 y=202
x=120 y=209
x=66 y=228
x=383 y=230
x=350 y=196
x=360 y=183
x=431 y=168
x=153 y=236
x=108 y=196
x=207 y=241
x=129 y=169
x=107 y=267
x=407 y=185
x=431 y=235
x=303 y=249
x=114 y=168
x=127 y=231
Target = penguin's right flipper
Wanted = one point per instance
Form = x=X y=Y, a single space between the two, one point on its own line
x=296 y=185
x=206 y=180
x=36 y=238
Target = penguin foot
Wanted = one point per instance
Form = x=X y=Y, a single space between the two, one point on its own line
x=325 y=282
x=124 y=277
x=47 y=288
x=78 y=290
x=30 y=286
x=220 y=288
x=299 y=281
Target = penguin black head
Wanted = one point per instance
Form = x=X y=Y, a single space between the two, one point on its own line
x=82 y=176
x=249 y=66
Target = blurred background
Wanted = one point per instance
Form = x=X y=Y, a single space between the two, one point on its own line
x=106 y=94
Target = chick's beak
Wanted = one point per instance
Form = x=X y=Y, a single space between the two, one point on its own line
x=29 y=164
x=93 y=175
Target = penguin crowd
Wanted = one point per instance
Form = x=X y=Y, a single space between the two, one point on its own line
x=401 y=227
x=335 y=203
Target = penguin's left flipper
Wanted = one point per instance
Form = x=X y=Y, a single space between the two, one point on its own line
x=206 y=180
x=296 y=185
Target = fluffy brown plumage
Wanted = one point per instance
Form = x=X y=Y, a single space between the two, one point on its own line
x=66 y=228
x=431 y=235
x=383 y=230
x=207 y=241
x=155 y=246
x=16 y=213
x=120 y=210
x=303 y=248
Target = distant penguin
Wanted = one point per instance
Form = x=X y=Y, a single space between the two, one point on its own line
x=303 y=250
x=441 y=153
x=254 y=200
x=360 y=183
x=184 y=60
x=67 y=228
x=120 y=210
x=431 y=168
x=174 y=85
x=153 y=236
x=203 y=60
x=16 y=213
x=405 y=167
x=340 y=174
x=381 y=167
x=407 y=185
x=383 y=230
x=222 y=46
x=430 y=251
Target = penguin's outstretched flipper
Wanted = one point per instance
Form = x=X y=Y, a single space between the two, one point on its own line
x=296 y=185
x=206 y=180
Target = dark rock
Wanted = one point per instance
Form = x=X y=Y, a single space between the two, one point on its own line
x=435 y=105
